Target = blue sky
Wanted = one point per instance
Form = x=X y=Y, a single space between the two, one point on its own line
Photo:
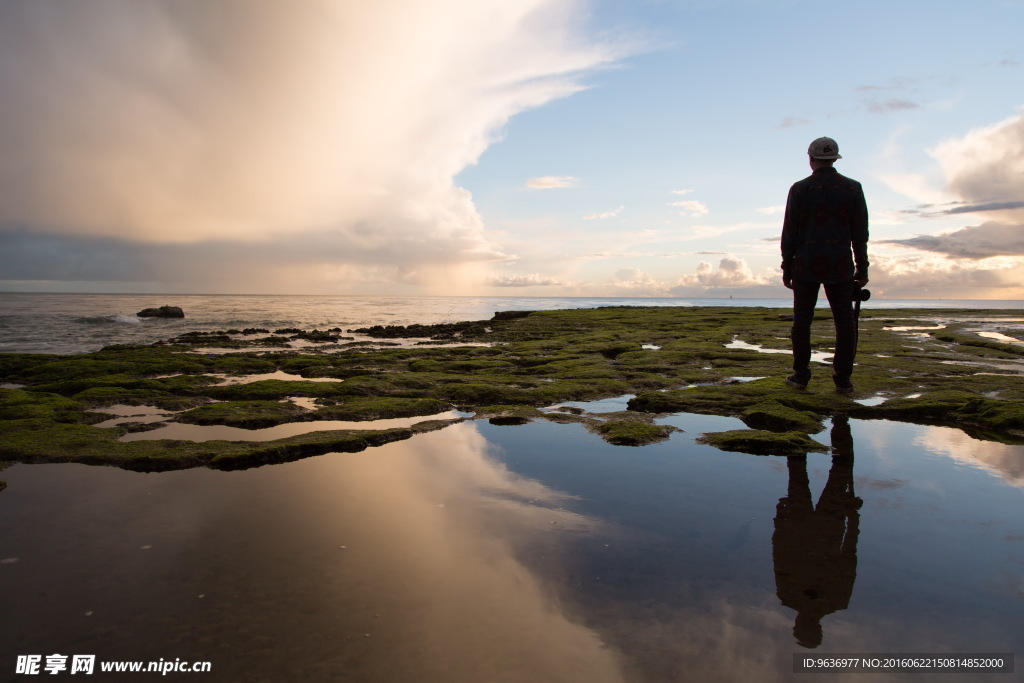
x=724 y=104
x=539 y=147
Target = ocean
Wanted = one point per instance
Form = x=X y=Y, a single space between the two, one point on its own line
x=80 y=323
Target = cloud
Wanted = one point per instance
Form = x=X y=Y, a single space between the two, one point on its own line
x=772 y=210
x=682 y=191
x=987 y=165
x=606 y=214
x=893 y=84
x=691 y=208
x=705 y=231
x=732 y=272
x=985 y=171
x=954 y=208
x=882 y=107
x=552 y=182
x=973 y=242
x=531 y=280
x=934 y=276
x=792 y=122
x=270 y=125
x=224 y=266
x=621 y=254
x=635 y=279
x=915 y=186
x=978 y=208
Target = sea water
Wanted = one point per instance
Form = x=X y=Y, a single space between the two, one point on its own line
x=76 y=323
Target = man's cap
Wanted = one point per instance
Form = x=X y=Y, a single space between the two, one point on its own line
x=824 y=148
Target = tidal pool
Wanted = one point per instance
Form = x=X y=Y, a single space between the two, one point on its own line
x=539 y=552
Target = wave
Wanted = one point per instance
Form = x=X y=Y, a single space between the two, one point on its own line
x=117 y=318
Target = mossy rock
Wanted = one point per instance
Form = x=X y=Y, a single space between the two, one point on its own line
x=307 y=445
x=632 y=433
x=379 y=408
x=995 y=415
x=461 y=366
x=566 y=418
x=536 y=360
x=17 y=404
x=760 y=442
x=979 y=342
x=108 y=396
x=509 y=415
x=271 y=389
x=932 y=405
x=610 y=351
x=771 y=415
x=245 y=414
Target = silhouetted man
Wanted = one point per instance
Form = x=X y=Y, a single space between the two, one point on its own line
x=824 y=242
x=815 y=548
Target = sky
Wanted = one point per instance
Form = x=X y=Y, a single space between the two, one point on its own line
x=501 y=147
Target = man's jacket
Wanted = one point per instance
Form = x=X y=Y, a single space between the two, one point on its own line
x=825 y=232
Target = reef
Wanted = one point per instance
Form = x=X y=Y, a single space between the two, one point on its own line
x=162 y=312
x=917 y=365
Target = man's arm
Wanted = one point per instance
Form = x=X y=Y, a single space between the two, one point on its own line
x=789 y=238
x=859 y=237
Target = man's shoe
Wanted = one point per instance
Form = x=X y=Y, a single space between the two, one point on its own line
x=797 y=382
x=845 y=388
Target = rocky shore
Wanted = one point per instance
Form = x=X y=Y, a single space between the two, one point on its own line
x=511 y=369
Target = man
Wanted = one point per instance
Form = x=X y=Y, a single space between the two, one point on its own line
x=824 y=242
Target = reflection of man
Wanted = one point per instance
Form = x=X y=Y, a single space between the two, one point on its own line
x=824 y=242
x=815 y=548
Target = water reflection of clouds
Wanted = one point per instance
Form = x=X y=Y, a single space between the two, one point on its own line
x=440 y=542
x=881 y=484
x=452 y=569
x=1004 y=460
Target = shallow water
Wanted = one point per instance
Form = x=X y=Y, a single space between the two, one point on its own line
x=76 y=323
x=528 y=553
x=190 y=432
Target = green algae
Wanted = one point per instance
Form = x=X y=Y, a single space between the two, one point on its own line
x=509 y=414
x=34 y=441
x=271 y=389
x=761 y=442
x=244 y=414
x=980 y=417
x=378 y=408
x=673 y=359
x=774 y=415
x=633 y=432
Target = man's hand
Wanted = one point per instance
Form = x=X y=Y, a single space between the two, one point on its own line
x=861 y=280
x=788 y=281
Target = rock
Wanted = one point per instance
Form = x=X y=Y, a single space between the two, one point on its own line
x=162 y=312
x=510 y=315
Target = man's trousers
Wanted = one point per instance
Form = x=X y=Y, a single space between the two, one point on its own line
x=840 y=299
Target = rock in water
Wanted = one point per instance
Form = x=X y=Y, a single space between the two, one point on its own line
x=162 y=312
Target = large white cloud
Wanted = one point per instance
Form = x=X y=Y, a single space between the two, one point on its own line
x=985 y=171
x=987 y=165
x=732 y=272
x=328 y=122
